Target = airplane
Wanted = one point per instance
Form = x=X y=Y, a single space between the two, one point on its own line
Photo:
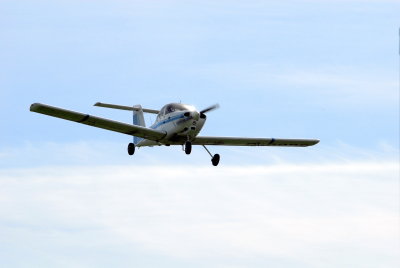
x=176 y=124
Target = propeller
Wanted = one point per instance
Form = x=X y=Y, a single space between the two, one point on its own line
x=209 y=109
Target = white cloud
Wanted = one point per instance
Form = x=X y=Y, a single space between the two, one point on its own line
x=343 y=84
x=314 y=215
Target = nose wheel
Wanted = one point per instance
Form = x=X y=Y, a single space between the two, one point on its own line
x=188 y=147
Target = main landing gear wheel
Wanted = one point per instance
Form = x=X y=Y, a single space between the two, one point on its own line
x=215 y=160
x=131 y=148
x=188 y=147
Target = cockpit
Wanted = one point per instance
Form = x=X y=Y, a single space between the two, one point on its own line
x=174 y=107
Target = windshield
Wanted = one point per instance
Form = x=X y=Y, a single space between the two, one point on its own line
x=174 y=107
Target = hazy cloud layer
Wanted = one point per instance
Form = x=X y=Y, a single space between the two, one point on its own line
x=309 y=215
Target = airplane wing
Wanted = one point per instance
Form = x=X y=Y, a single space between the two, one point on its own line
x=238 y=141
x=99 y=122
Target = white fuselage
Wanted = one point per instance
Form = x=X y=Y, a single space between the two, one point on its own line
x=179 y=125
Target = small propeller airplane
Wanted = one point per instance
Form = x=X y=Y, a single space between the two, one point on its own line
x=176 y=124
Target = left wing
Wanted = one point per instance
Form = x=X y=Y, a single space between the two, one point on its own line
x=94 y=121
x=238 y=141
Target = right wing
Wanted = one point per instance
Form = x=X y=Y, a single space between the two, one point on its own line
x=127 y=108
x=99 y=122
x=241 y=141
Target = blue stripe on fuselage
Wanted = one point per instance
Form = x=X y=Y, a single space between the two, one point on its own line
x=173 y=118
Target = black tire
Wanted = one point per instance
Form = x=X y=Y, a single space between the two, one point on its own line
x=131 y=148
x=188 y=147
x=215 y=160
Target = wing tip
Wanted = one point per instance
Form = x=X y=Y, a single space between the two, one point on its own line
x=315 y=142
x=35 y=106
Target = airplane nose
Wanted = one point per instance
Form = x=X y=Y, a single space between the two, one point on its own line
x=196 y=115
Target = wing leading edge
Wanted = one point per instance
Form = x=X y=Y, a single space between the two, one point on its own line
x=99 y=122
x=239 y=141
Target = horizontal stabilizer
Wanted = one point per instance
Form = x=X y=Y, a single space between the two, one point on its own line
x=127 y=108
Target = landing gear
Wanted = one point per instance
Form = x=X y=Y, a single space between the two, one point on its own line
x=131 y=148
x=188 y=147
x=214 y=158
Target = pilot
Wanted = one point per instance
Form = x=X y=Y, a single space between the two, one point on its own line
x=170 y=109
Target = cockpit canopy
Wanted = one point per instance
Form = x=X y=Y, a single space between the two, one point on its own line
x=174 y=107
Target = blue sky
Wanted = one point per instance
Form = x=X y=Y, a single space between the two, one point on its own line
x=290 y=69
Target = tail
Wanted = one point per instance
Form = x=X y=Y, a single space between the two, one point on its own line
x=138 y=119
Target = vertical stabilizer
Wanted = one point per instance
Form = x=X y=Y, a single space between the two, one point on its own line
x=138 y=119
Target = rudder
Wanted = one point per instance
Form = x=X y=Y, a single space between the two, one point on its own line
x=138 y=119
